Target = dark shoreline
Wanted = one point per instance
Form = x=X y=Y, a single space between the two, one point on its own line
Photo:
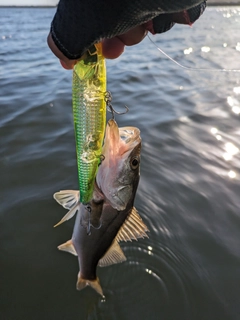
x=223 y=4
x=209 y=3
x=27 y=7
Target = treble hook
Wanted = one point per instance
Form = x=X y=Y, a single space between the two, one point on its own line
x=89 y=224
x=108 y=100
x=102 y=158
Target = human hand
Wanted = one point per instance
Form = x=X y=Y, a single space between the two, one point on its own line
x=78 y=24
x=111 y=48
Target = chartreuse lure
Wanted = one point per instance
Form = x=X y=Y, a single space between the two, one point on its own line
x=89 y=113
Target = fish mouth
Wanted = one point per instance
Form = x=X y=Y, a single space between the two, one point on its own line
x=130 y=136
x=120 y=140
x=117 y=175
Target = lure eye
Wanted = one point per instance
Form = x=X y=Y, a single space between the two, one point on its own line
x=135 y=163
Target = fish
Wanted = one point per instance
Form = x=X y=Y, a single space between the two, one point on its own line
x=110 y=217
x=89 y=115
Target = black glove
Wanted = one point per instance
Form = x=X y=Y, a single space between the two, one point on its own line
x=78 y=24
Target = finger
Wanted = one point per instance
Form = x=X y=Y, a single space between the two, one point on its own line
x=114 y=47
x=133 y=36
x=65 y=62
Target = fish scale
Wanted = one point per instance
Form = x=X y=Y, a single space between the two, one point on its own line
x=89 y=114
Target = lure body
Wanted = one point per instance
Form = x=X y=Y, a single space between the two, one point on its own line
x=89 y=114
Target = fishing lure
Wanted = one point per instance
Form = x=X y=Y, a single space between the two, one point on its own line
x=89 y=114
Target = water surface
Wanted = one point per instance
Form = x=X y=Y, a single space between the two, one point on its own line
x=188 y=195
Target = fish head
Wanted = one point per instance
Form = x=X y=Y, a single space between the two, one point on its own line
x=119 y=173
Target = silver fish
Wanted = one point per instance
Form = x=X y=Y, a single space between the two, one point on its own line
x=110 y=217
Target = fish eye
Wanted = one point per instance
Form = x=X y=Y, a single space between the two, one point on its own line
x=134 y=163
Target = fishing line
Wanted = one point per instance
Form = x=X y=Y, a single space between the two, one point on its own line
x=189 y=68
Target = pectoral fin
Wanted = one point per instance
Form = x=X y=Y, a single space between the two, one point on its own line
x=67 y=198
x=132 y=228
x=112 y=256
x=68 y=216
x=68 y=246
x=95 y=284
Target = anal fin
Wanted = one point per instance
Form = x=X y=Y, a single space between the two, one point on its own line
x=112 y=256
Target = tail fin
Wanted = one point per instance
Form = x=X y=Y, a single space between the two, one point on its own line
x=95 y=284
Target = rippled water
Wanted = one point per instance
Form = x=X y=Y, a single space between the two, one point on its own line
x=189 y=190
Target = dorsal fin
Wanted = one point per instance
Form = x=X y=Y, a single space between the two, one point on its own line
x=68 y=246
x=67 y=198
x=112 y=256
x=132 y=228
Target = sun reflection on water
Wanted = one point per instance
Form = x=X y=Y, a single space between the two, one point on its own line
x=232 y=174
x=149 y=271
x=150 y=250
x=205 y=49
x=188 y=50
x=231 y=150
x=233 y=102
x=238 y=46
x=214 y=130
x=236 y=90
